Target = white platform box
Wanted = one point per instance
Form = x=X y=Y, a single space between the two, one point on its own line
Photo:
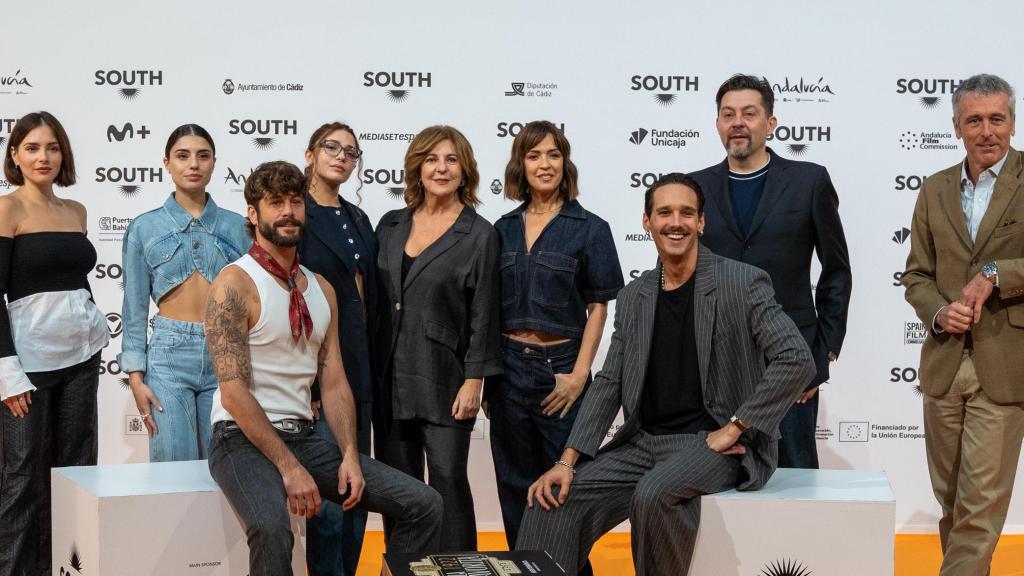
x=162 y=519
x=821 y=522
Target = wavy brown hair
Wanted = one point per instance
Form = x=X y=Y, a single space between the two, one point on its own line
x=277 y=178
x=420 y=148
x=516 y=186
x=28 y=123
x=314 y=142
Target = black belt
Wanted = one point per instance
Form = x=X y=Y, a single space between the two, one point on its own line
x=291 y=425
x=968 y=341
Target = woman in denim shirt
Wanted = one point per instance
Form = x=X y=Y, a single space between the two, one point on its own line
x=559 y=269
x=171 y=255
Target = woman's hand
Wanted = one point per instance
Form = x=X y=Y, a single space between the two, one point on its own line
x=19 y=403
x=467 y=401
x=145 y=400
x=568 y=388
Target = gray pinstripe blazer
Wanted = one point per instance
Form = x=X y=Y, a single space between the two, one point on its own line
x=753 y=361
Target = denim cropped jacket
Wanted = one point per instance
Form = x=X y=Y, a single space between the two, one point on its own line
x=571 y=264
x=163 y=248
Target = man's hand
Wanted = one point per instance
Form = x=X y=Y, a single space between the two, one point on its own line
x=467 y=401
x=975 y=294
x=19 y=403
x=568 y=388
x=804 y=396
x=724 y=440
x=350 y=479
x=955 y=317
x=303 y=495
x=558 y=475
x=315 y=407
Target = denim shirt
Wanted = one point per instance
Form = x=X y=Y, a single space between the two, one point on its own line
x=163 y=248
x=572 y=263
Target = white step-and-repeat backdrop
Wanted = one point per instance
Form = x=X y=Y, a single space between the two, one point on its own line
x=863 y=88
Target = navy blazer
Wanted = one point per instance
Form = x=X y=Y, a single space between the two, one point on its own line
x=319 y=252
x=798 y=215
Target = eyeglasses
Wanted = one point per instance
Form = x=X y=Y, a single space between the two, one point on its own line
x=333 y=148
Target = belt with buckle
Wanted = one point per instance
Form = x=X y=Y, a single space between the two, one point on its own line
x=290 y=425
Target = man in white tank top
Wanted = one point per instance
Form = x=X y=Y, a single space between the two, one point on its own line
x=271 y=328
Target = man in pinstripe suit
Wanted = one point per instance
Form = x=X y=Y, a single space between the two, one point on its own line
x=704 y=364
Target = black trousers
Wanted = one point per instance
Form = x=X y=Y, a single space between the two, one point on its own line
x=403 y=447
x=59 y=430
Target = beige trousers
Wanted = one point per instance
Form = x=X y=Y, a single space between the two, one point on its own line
x=973 y=445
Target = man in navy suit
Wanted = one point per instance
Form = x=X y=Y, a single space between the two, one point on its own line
x=774 y=213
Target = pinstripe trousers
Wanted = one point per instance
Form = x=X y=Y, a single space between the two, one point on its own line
x=656 y=482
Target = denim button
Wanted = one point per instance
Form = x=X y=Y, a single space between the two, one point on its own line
x=357 y=256
x=195 y=245
x=527 y=350
x=398 y=305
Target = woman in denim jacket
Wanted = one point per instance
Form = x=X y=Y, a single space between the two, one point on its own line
x=559 y=269
x=171 y=255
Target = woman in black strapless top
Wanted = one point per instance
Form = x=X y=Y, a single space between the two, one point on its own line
x=51 y=333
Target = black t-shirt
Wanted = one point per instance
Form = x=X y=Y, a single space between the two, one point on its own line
x=672 y=400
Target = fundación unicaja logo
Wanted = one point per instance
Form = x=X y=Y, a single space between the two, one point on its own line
x=900 y=236
x=637 y=136
x=785 y=567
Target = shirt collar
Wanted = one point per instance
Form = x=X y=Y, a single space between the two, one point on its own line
x=572 y=209
x=183 y=219
x=995 y=168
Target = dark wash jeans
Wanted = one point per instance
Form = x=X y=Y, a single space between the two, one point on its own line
x=59 y=430
x=256 y=491
x=797 y=446
x=334 y=538
x=524 y=442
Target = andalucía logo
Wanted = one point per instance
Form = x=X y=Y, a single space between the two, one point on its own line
x=397 y=84
x=263 y=130
x=16 y=83
x=664 y=87
x=127 y=131
x=74 y=563
x=237 y=178
x=797 y=138
x=128 y=82
x=801 y=90
x=785 y=567
x=928 y=90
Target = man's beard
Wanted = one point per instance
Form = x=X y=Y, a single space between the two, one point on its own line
x=269 y=232
x=740 y=152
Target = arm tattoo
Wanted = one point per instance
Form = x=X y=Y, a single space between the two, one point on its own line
x=227 y=337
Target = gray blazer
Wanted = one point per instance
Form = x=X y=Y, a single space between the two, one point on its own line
x=438 y=326
x=753 y=361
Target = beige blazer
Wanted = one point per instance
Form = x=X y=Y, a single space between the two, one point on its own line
x=943 y=259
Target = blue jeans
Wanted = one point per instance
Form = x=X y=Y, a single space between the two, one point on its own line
x=334 y=538
x=179 y=371
x=524 y=442
x=255 y=489
x=798 y=447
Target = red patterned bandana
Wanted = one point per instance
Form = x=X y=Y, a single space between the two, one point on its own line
x=298 y=313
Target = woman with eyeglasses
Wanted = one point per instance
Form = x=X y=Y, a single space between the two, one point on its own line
x=439 y=338
x=338 y=243
x=51 y=334
x=171 y=255
x=559 y=269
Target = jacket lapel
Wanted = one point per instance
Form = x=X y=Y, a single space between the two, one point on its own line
x=402 y=224
x=646 y=305
x=720 y=198
x=450 y=238
x=704 y=300
x=950 y=200
x=321 y=228
x=774 y=185
x=1003 y=194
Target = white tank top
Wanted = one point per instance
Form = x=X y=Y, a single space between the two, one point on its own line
x=282 y=369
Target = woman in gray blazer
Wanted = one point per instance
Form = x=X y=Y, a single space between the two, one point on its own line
x=439 y=334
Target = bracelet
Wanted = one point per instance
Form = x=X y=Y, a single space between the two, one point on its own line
x=567 y=465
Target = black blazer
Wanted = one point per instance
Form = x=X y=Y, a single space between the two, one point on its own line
x=319 y=252
x=440 y=325
x=798 y=214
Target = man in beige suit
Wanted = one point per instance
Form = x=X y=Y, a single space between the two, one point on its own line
x=965 y=279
